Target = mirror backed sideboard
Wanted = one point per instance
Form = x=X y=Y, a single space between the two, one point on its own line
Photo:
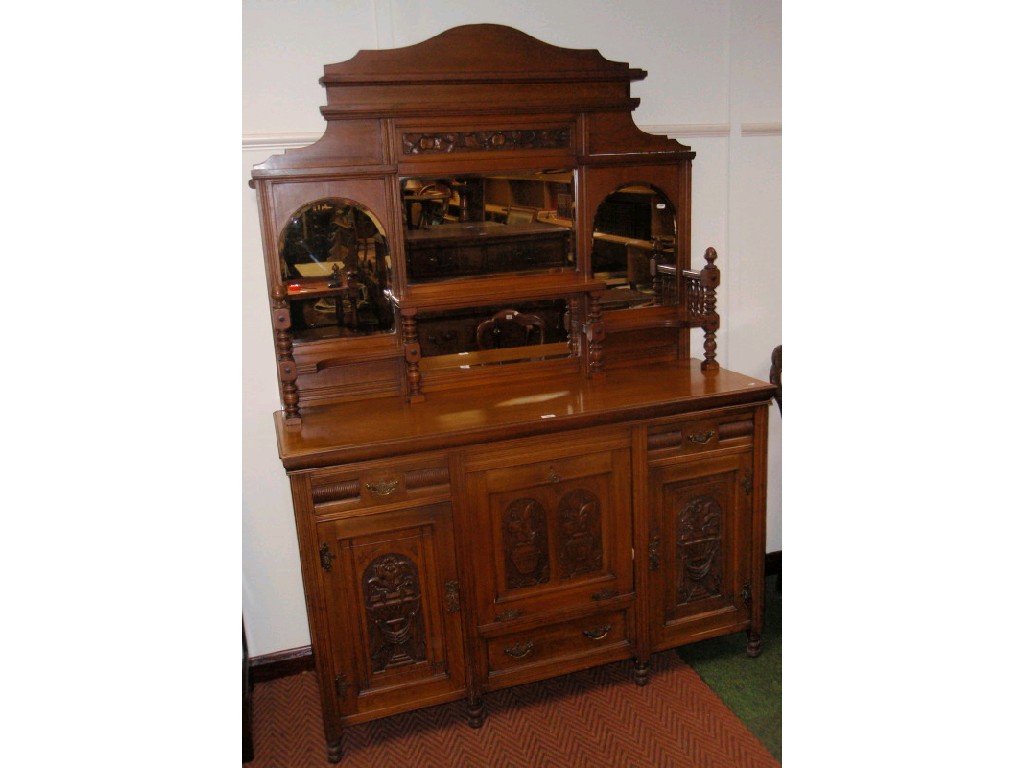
x=506 y=463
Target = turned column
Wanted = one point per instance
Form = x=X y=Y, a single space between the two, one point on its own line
x=287 y=371
x=710 y=277
x=411 y=346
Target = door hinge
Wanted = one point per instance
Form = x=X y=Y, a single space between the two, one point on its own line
x=341 y=686
x=654 y=552
x=326 y=557
x=451 y=596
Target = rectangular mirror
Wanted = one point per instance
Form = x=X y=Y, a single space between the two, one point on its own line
x=487 y=224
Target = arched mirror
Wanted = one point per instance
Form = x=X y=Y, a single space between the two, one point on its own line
x=336 y=268
x=634 y=248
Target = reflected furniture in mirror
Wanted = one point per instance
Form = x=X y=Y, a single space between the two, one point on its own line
x=505 y=463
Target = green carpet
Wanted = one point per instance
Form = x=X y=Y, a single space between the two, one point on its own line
x=752 y=688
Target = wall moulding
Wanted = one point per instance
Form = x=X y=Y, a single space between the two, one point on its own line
x=760 y=129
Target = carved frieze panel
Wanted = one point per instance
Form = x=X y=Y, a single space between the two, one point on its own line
x=478 y=141
x=394 y=612
x=699 y=549
x=525 y=540
x=580 y=549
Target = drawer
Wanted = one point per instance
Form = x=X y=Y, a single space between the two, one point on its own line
x=374 y=484
x=558 y=645
x=700 y=433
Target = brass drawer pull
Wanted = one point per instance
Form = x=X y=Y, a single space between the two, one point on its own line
x=520 y=650
x=702 y=438
x=383 y=488
x=598 y=634
x=554 y=477
x=509 y=615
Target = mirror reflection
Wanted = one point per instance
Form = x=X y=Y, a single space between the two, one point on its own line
x=494 y=335
x=634 y=248
x=336 y=268
x=473 y=225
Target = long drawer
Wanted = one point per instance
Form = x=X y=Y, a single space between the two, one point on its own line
x=560 y=647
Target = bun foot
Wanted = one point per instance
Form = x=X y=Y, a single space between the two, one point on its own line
x=641 y=672
x=334 y=751
x=476 y=712
x=753 y=645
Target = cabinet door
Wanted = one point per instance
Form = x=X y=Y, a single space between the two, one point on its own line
x=393 y=609
x=555 y=534
x=699 y=548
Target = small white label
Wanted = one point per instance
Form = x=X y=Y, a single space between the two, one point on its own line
x=547 y=415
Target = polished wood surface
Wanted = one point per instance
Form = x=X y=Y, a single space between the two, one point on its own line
x=358 y=431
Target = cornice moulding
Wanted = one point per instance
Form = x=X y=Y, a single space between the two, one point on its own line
x=275 y=142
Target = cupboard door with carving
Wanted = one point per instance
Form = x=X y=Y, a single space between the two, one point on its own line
x=552 y=533
x=394 y=611
x=699 y=548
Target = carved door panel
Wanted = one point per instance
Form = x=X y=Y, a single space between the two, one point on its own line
x=394 y=609
x=559 y=535
x=698 y=552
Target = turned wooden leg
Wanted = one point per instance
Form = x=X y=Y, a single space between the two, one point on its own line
x=753 y=644
x=641 y=672
x=334 y=750
x=475 y=710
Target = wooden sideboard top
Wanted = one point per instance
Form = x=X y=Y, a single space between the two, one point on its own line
x=379 y=428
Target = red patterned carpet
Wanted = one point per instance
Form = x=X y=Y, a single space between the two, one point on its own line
x=596 y=718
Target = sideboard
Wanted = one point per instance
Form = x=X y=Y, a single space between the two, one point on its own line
x=505 y=464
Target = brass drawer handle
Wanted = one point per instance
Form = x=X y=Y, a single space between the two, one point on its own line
x=598 y=634
x=509 y=615
x=520 y=650
x=383 y=488
x=554 y=477
x=702 y=438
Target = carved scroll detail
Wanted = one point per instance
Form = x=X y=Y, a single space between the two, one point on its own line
x=524 y=530
x=394 y=612
x=699 y=549
x=484 y=141
x=579 y=521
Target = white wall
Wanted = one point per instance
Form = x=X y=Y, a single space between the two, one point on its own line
x=714 y=82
